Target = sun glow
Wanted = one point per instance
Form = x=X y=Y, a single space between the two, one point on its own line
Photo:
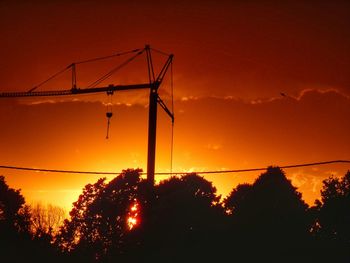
x=133 y=219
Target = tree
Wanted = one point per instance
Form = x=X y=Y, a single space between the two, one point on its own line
x=334 y=209
x=46 y=220
x=277 y=201
x=99 y=219
x=178 y=217
x=236 y=199
x=16 y=241
x=271 y=199
x=268 y=215
x=183 y=224
x=13 y=216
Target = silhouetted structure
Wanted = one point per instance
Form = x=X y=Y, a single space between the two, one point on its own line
x=153 y=86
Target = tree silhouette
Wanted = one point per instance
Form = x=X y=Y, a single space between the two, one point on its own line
x=268 y=214
x=333 y=215
x=99 y=219
x=334 y=208
x=235 y=202
x=16 y=241
x=183 y=224
x=179 y=218
x=46 y=220
x=14 y=222
x=12 y=213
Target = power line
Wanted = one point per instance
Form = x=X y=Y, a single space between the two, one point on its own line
x=172 y=173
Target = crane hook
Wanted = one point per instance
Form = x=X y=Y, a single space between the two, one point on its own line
x=109 y=112
x=109 y=116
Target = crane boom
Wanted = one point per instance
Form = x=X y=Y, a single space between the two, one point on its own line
x=77 y=91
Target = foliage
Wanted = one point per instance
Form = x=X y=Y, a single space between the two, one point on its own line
x=13 y=214
x=334 y=209
x=268 y=213
x=46 y=220
x=179 y=212
x=182 y=222
x=270 y=200
x=98 y=220
x=237 y=198
x=181 y=219
x=16 y=240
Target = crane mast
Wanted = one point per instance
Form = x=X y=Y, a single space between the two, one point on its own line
x=154 y=99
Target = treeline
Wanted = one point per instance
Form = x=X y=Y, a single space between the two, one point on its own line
x=182 y=219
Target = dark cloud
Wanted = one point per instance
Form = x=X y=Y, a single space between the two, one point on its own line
x=247 y=49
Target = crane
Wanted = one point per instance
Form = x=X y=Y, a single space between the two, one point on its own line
x=153 y=85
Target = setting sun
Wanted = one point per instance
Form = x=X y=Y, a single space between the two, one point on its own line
x=133 y=216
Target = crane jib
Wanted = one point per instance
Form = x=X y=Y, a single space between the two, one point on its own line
x=77 y=91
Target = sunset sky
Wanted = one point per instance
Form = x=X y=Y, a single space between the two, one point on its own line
x=233 y=59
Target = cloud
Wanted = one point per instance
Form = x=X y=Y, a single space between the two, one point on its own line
x=210 y=132
x=311 y=128
x=329 y=91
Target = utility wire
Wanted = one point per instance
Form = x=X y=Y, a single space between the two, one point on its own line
x=172 y=173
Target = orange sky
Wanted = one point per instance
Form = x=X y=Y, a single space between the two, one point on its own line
x=232 y=60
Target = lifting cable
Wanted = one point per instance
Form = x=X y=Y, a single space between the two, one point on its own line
x=172 y=107
x=172 y=120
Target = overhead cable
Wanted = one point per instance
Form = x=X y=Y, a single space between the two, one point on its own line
x=171 y=173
